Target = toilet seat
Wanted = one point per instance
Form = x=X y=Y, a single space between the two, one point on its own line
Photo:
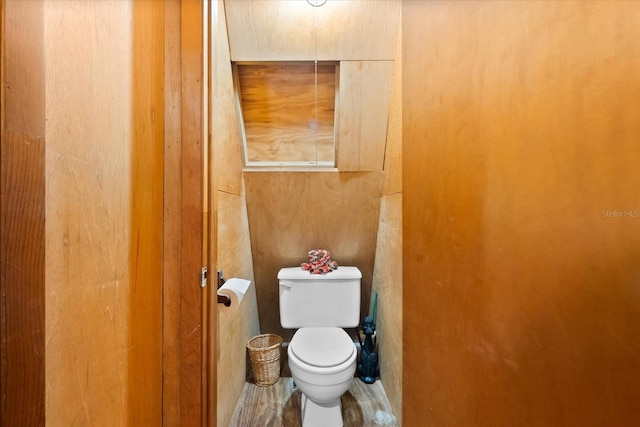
x=322 y=347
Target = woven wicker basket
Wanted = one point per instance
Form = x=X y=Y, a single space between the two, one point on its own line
x=264 y=352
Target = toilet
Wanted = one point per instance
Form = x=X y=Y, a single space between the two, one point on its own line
x=322 y=356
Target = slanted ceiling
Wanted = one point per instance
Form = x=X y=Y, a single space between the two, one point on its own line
x=361 y=35
x=286 y=30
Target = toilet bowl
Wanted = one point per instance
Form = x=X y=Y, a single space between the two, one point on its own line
x=322 y=363
x=322 y=356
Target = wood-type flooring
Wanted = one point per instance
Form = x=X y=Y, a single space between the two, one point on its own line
x=363 y=405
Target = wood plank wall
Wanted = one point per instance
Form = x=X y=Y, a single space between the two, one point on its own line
x=22 y=210
x=89 y=216
x=365 y=93
x=387 y=270
x=230 y=243
x=98 y=71
x=104 y=212
x=293 y=212
x=521 y=233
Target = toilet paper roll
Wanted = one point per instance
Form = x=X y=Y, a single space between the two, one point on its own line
x=235 y=289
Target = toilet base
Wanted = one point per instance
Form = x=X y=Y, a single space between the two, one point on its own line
x=316 y=414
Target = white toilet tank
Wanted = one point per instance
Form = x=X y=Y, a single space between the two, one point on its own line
x=315 y=300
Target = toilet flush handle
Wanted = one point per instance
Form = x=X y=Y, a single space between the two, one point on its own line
x=286 y=284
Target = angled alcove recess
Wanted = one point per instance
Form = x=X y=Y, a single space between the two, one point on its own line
x=288 y=113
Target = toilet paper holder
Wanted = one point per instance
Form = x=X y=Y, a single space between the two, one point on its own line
x=222 y=299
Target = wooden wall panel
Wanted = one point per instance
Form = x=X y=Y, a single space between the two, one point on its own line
x=22 y=209
x=227 y=140
x=365 y=93
x=104 y=197
x=89 y=215
x=393 y=147
x=387 y=272
x=172 y=229
x=225 y=179
x=234 y=244
x=293 y=212
x=282 y=30
x=387 y=281
x=231 y=232
x=236 y=326
x=520 y=143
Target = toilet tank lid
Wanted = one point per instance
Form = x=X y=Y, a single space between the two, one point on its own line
x=297 y=273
